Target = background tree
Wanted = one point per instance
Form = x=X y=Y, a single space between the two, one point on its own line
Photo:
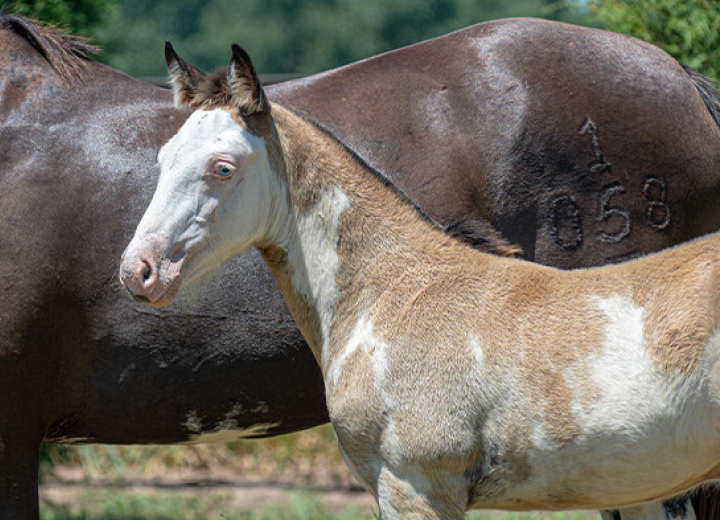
x=289 y=36
x=74 y=16
x=689 y=30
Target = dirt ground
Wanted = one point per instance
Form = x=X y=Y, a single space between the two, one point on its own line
x=334 y=488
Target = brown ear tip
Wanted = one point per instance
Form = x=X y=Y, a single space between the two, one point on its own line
x=170 y=54
x=241 y=53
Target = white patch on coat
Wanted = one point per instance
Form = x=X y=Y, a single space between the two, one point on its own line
x=193 y=422
x=231 y=435
x=314 y=258
x=183 y=161
x=226 y=430
x=477 y=352
x=639 y=412
x=362 y=337
x=622 y=370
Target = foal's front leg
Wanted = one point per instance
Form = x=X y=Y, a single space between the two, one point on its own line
x=415 y=496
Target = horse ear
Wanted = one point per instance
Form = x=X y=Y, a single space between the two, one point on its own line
x=184 y=78
x=246 y=92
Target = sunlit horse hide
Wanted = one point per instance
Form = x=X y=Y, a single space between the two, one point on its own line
x=454 y=379
x=80 y=363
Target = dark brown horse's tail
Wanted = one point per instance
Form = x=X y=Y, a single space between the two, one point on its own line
x=708 y=92
x=67 y=54
x=706 y=502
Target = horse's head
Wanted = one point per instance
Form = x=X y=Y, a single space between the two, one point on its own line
x=217 y=190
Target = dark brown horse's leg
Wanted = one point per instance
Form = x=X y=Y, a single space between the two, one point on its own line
x=19 y=457
x=677 y=508
x=706 y=502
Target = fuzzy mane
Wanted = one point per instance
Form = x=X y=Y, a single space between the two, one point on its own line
x=67 y=54
x=482 y=236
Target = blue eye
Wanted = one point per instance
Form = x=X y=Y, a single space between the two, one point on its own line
x=223 y=170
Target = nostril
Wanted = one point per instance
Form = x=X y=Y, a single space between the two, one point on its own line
x=147 y=272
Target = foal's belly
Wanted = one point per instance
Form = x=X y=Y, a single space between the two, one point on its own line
x=604 y=430
x=617 y=466
x=617 y=453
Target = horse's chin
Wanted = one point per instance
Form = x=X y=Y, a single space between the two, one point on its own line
x=168 y=296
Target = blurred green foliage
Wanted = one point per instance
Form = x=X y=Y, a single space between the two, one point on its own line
x=306 y=36
x=74 y=16
x=689 y=30
x=287 y=36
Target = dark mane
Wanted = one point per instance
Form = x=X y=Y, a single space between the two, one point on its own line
x=482 y=236
x=475 y=233
x=67 y=54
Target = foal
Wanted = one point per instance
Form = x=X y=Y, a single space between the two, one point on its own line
x=454 y=379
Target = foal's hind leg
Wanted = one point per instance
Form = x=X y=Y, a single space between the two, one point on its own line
x=679 y=508
x=406 y=496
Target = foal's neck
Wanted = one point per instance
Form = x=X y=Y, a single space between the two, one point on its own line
x=350 y=235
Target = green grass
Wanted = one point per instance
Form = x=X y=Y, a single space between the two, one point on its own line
x=126 y=505
x=112 y=505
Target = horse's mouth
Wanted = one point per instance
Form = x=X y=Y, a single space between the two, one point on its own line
x=168 y=296
x=163 y=299
x=139 y=299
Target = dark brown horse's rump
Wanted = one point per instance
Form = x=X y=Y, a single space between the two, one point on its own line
x=580 y=146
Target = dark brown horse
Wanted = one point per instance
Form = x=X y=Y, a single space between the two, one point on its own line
x=580 y=145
